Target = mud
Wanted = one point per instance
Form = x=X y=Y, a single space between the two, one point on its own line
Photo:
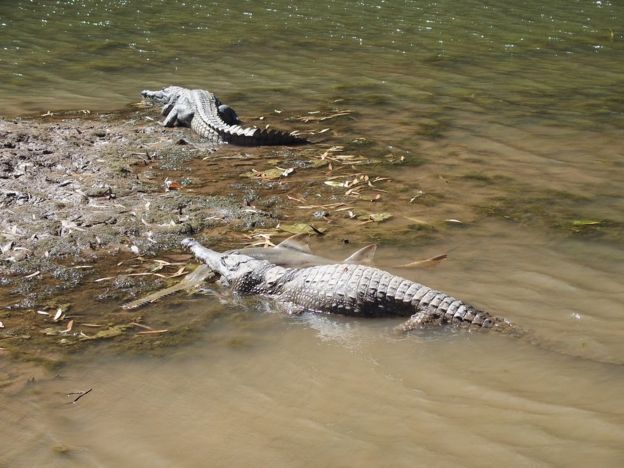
x=85 y=197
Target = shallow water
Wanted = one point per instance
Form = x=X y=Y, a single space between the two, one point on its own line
x=510 y=120
x=263 y=387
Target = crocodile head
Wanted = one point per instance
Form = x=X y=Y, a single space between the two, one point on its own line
x=245 y=273
x=164 y=96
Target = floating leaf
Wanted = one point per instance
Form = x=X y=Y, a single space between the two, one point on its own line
x=105 y=334
x=380 y=217
x=269 y=174
x=301 y=228
x=585 y=222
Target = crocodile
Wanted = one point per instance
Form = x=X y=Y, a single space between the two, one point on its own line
x=347 y=289
x=211 y=119
x=291 y=252
x=364 y=291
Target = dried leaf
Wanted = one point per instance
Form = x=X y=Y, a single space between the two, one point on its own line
x=172 y=185
x=106 y=278
x=70 y=325
x=57 y=316
x=419 y=193
x=325 y=207
x=315 y=118
x=335 y=183
x=152 y=332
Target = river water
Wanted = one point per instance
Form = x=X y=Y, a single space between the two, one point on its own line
x=509 y=119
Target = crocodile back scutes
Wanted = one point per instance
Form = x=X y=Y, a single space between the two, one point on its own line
x=368 y=291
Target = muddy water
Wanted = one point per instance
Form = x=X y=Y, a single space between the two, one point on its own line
x=508 y=119
x=262 y=387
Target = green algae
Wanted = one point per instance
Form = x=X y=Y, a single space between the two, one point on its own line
x=563 y=212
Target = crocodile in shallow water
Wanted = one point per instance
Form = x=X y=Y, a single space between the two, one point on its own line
x=364 y=291
x=346 y=289
x=208 y=117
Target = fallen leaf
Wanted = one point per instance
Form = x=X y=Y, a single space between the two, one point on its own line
x=59 y=313
x=269 y=174
x=379 y=217
x=106 y=278
x=172 y=185
x=70 y=325
x=335 y=183
x=585 y=222
x=419 y=193
x=300 y=228
x=105 y=334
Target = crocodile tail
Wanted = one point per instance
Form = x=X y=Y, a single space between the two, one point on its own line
x=435 y=307
x=261 y=137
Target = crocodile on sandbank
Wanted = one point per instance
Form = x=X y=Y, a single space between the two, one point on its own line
x=211 y=119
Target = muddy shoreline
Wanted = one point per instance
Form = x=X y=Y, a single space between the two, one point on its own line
x=93 y=208
x=84 y=197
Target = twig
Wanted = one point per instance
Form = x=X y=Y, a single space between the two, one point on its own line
x=80 y=395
